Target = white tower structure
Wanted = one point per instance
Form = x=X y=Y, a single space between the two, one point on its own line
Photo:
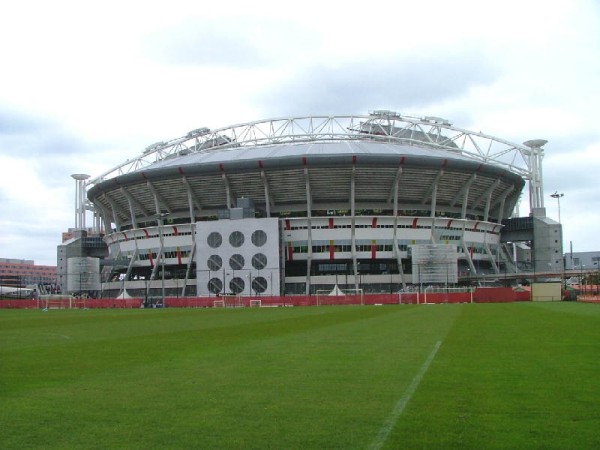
x=536 y=182
x=80 y=199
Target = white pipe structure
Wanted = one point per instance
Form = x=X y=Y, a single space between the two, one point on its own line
x=389 y=126
x=80 y=199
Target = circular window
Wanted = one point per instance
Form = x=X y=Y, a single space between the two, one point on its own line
x=236 y=285
x=215 y=285
x=214 y=262
x=236 y=262
x=236 y=239
x=259 y=238
x=259 y=285
x=259 y=261
x=214 y=239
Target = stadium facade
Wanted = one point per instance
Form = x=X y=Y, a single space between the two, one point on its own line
x=378 y=202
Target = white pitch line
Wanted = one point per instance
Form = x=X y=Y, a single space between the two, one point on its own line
x=61 y=335
x=389 y=424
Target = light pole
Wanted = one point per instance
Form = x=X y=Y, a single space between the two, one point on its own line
x=557 y=196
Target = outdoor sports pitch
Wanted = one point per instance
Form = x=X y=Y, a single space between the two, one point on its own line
x=518 y=375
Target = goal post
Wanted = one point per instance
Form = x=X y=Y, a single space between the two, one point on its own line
x=229 y=301
x=341 y=297
x=56 y=302
x=255 y=303
x=218 y=303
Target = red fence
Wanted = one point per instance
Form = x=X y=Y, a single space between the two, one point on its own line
x=66 y=303
x=480 y=295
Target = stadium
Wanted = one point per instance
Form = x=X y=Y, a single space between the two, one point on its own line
x=376 y=203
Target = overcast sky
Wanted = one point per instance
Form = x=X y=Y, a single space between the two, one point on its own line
x=83 y=88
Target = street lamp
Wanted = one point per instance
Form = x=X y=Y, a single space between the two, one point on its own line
x=557 y=196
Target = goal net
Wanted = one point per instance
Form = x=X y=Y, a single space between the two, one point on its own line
x=255 y=303
x=229 y=301
x=57 y=302
x=339 y=296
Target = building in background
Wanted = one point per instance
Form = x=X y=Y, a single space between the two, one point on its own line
x=78 y=262
x=378 y=202
x=24 y=273
x=586 y=261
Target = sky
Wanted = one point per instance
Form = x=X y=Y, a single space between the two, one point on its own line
x=86 y=86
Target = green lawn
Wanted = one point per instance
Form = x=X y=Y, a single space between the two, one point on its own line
x=520 y=375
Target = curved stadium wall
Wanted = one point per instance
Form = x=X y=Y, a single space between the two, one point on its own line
x=380 y=204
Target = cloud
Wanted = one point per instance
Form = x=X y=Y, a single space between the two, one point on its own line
x=234 y=42
x=404 y=81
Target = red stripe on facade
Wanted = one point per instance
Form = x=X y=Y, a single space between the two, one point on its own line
x=175 y=231
x=222 y=167
x=125 y=236
x=290 y=252
x=449 y=223
x=304 y=161
x=476 y=225
x=178 y=256
x=147 y=234
x=288 y=225
x=180 y=170
x=354 y=159
x=331 y=251
x=374 y=222
x=373 y=249
x=331 y=222
x=150 y=258
x=414 y=224
x=260 y=164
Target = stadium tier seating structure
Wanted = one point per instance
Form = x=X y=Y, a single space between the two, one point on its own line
x=377 y=202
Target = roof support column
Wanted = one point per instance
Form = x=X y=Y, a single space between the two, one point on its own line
x=353 y=223
x=309 y=226
x=394 y=195
x=191 y=199
x=114 y=208
x=502 y=206
x=130 y=202
x=486 y=212
x=463 y=211
x=227 y=189
x=434 y=193
x=265 y=181
x=102 y=217
x=395 y=239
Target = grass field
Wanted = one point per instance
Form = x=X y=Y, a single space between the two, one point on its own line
x=523 y=375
